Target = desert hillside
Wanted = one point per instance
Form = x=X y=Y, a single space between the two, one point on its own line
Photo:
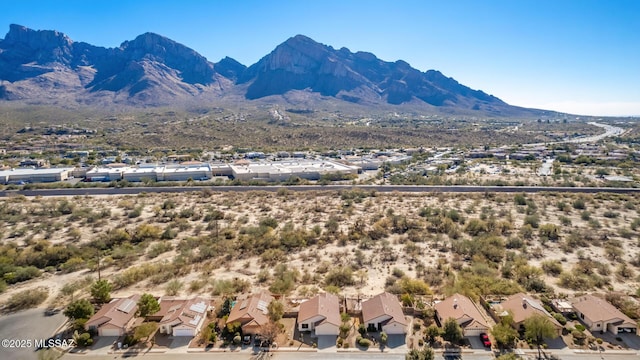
x=296 y=243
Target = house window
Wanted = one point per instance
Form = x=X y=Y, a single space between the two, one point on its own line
x=582 y=316
x=598 y=325
x=305 y=326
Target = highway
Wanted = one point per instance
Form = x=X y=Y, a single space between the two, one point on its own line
x=376 y=188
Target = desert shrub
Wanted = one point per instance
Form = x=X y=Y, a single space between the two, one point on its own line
x=84 y=339
x=560 y=318
x=475 y=227
x=397 y=273
x=550 y=232
x=26 y=299
x=229 y=287
x=585 y=215
x=364 y=342
x=532 y=220
x=579 y=204
x=552 y=267
x=158 y=248
x=341 y=276
x=520 y=199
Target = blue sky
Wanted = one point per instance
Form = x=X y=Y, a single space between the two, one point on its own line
x=577 y=56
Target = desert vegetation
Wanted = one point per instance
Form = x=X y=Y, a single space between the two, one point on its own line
x=298 y=243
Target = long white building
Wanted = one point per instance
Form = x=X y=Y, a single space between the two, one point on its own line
x=284 y=170
x=15 y=176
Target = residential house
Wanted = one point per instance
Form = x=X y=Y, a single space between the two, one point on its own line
x=521 y=307
x=464 y=311
x=320 y=314
x=599 y=315
x=384 y=313
x=114 y=318
x=251 y=313
x=182 y=317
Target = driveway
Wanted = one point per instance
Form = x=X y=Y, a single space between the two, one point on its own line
x=632 y=340
x=475 y=343
x=397 y=343
x=29 y=325
x=327 y=342
x=179 y=344
x=555 y=344
x=104 y=344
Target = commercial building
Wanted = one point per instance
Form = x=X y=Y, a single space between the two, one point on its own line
x=284 y=170
x=16 y=176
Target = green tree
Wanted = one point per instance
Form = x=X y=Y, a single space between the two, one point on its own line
x=79 y=309
x=206 y=335
x=537 y=328
x=452 y=331
x=275 y=310
x=147 y=305
x=504 y=334
x=383 y=338
x=509 y=356
x=101 y=291
x=424 y=354
x=432 y=332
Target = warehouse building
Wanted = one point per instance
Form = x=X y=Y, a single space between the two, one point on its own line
x=19 y=176
x=284 y=170
x=199 y=171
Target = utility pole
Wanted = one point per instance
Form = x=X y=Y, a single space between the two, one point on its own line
x=98 y=256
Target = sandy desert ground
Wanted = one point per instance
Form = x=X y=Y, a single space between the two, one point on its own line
x=352 y=241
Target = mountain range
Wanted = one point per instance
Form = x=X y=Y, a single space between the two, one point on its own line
x=47 y=67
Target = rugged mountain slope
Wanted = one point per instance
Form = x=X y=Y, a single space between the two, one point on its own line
x=47 y=67
x=301 y=63
x=150 y=70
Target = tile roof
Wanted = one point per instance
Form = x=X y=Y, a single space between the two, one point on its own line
x=460 y=308
x=118 y=312
x=189 y=313
x=326 y=305
x=522 y=307
x=253 y=308
x=383 y=304
x=598 y=309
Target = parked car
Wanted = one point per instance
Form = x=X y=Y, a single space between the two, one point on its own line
x=246 y=339
x=485 y=340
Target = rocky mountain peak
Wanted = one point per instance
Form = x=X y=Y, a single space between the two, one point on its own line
x=35 y=39
x=193 y=67
x=42 y=46
x=230 y=68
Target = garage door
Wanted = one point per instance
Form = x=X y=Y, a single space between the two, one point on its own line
x=182 y=332
x=109 y=332
x=474 y=331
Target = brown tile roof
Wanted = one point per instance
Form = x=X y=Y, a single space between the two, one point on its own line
x=597 y=309
x=167 y=305
x=522 y=307
x=383 y=304
x=325 y=305
x=185 y=312
x=117 y=313
x=251 y=309
x=462 y=309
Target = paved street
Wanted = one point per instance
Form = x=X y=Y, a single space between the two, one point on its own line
x=338 y=356
x=29 y=325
